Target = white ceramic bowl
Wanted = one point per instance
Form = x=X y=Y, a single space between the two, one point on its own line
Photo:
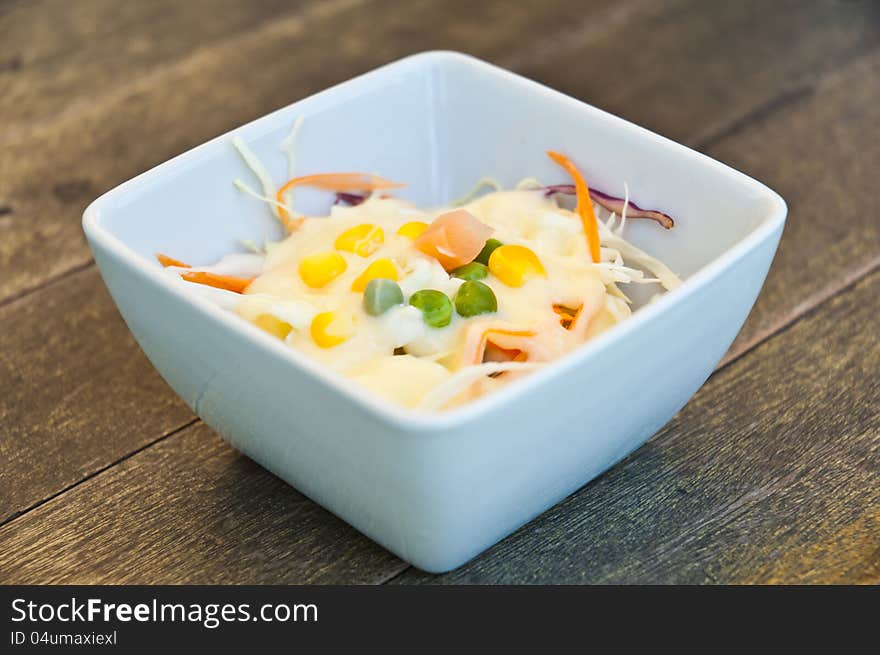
x=438 y=489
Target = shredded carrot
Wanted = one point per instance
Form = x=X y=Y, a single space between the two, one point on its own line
x=493 y=353
x=228 y=282
x=584 y=204
x=487 y=336
x=167 y=261
x=329 y=182
x=567 y=315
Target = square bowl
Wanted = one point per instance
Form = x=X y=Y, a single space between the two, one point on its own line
x=436 y=489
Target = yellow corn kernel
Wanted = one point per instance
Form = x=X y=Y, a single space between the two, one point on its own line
x=382 y=267
x=513 y=265
x=273 y=325
x=330 y=329
x=362 y=240
x=322 y=268
x=412 y=230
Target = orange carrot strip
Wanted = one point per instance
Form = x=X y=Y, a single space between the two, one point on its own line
x=167 y=261
x=487 y=336
x=584 y=204
x=565 y=312
x=495 y=353
x=478 y=335
x=567 y=316
x=228 y=282
x=329 y=182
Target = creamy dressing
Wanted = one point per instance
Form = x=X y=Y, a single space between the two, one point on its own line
x=433 y=354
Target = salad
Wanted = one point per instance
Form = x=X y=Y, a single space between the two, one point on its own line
x=431 y=308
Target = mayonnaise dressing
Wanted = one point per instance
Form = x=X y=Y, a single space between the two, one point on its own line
x=432 y=354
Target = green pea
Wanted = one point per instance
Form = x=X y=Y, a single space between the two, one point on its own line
x=472 y=271
x=435 y=306
x=381 y=295
x=475 y=298
x=486 y=252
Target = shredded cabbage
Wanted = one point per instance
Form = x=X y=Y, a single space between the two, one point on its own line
x=528 y=183
x=251 y=246
x=238 y=264
x=245 y=188
x=254 y=163
x=288 y=147
x=623 y=211
x=464 y=378
x=661 y=271
x=482 y=183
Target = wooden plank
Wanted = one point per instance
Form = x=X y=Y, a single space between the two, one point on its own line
x=78 y=394
x=770 y=474
x=818 y=155
x=735 y=490
x=833 y=159
x=688 y=69
x=703 y=73
x=94 y=398
x=188 y=510
x=807 y=227
x=47 y=178
x=57 y=56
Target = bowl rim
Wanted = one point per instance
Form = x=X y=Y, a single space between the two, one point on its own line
x=395 y=415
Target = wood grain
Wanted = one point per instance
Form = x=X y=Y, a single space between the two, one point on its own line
x=770 y=474
x=734 y=490
x=78 y=393
x=691 y=69
x=79 y=390
x=817 y=154
x=785 y=91
x=784 y=107
x=188 y=510
x=49 y=174
x=238 y=80
x=765 y=149
x=58 y=56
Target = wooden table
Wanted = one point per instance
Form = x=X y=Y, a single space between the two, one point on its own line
x=770 y=474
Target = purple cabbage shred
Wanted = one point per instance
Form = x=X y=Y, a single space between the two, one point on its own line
x=352 y=199
x=614 y=204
